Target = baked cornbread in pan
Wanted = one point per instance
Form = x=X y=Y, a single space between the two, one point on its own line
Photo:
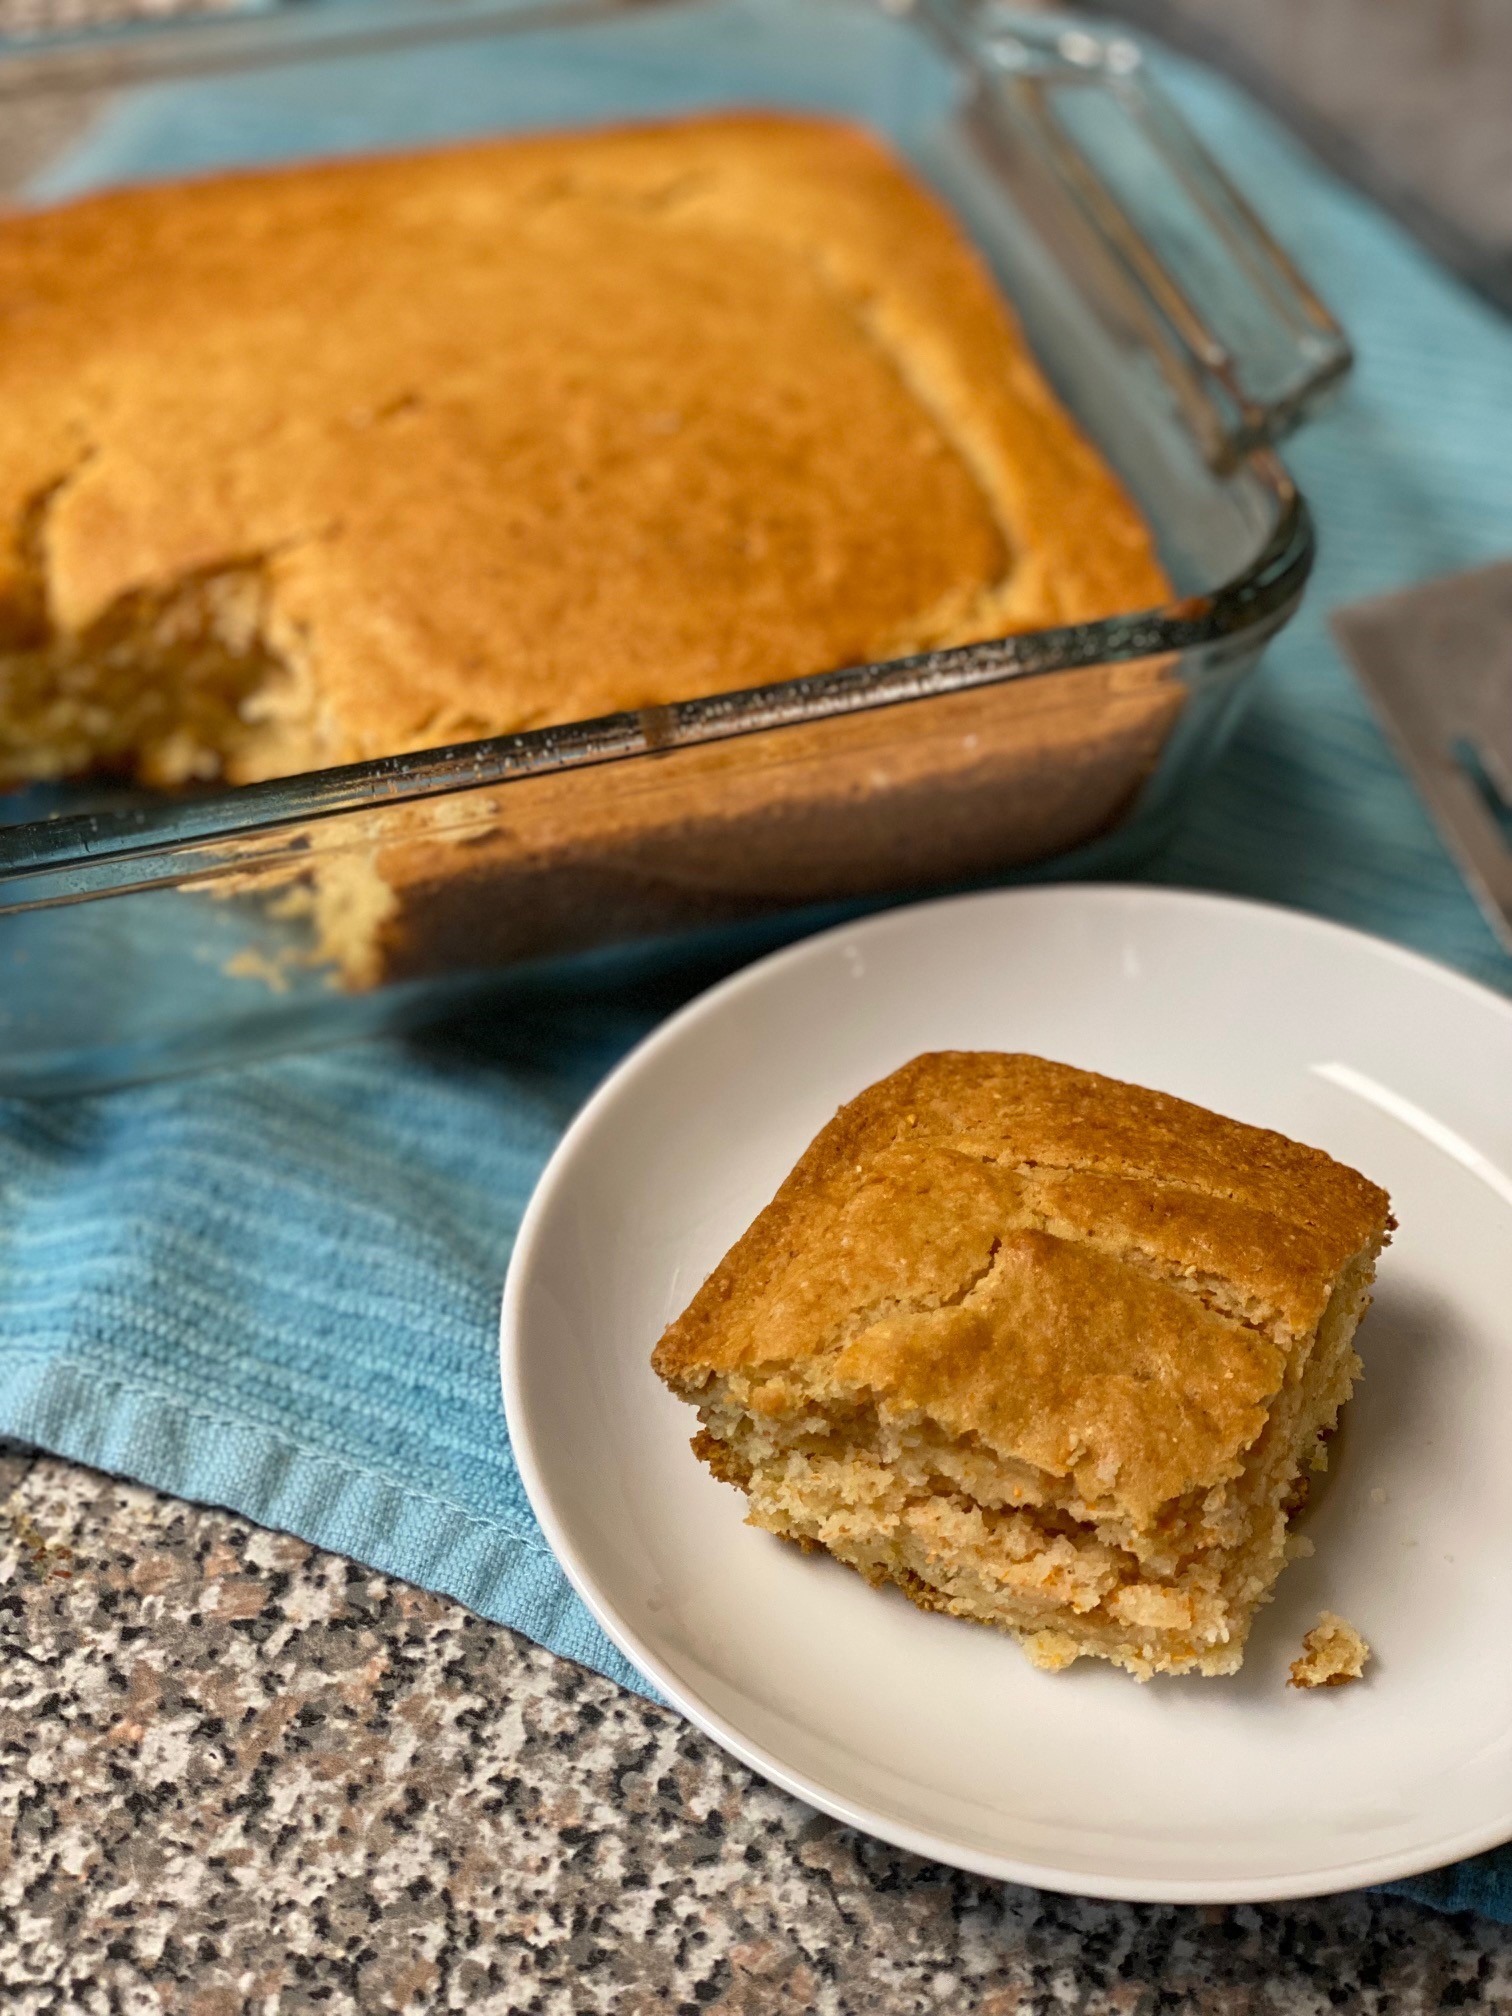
x=314 y=465
x=1044 y=1349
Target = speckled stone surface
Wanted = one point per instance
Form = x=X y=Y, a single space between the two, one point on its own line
x=237 y=1774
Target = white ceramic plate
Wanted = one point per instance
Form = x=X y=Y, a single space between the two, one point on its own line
x=935 y=1734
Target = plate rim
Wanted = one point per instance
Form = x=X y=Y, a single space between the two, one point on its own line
x=1130 y=1888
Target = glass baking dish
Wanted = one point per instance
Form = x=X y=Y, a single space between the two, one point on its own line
x=141 y=934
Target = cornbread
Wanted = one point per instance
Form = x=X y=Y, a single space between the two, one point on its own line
x=973 y=783
x=1043 y=1349
x=1333 y=1654
x=327 y=463
x=313 y=465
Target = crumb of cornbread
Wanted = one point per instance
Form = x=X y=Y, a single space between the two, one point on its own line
x=1042 y=1349
x=1333 y=1654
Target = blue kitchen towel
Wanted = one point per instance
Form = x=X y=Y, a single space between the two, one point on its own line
x=276 y=1289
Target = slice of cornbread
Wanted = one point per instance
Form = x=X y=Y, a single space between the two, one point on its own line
x=1045 y=1350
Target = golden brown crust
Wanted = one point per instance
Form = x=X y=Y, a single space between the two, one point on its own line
x=971 y=784
x=1068 y=1360
x=1100 y=1280
x=721 y=1460
x=529 y=430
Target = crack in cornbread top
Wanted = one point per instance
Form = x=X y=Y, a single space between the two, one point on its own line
x=1103 y=1281
x=529 y=430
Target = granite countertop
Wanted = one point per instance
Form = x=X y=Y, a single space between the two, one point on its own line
x=244 y=1775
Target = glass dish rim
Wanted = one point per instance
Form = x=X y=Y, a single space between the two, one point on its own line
x=1266 y=588
x=73 y=844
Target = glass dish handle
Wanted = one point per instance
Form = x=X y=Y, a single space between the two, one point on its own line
x=1242 y=339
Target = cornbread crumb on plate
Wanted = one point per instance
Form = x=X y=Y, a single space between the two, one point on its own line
x=1333 y=1654
x=1042 y=1349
